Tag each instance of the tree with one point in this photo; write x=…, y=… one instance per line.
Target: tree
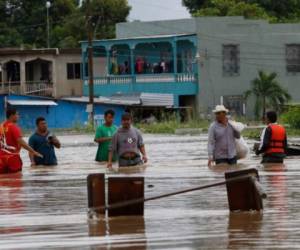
x=282, y=10
x=268, y=93
x=277, y=10
x=194, y=5
x=232, y=8
x=106, y=13
x=24, y=22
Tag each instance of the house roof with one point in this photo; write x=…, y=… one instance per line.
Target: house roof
x=137, y=99
x=42, y=51
x=31, y=103
x=102, y=100
x=145, y=37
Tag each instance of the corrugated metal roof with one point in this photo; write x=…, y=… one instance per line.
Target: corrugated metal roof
x=157, y=100
x=105, y=100
x=31, y=103
x=136, y=99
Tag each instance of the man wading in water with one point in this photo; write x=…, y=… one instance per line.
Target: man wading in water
x=273, y=143
x=128, y=143
x=43, y=142
x=11, y=142
x=104, y=135
x=221, y=139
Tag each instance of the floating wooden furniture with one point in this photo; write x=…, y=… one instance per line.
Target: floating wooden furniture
x=125, y=195
x=123, y=189
x=120, y=191
x=96, y=192
x=244, y=194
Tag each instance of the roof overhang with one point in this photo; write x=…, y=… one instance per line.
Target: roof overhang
x=31, y=103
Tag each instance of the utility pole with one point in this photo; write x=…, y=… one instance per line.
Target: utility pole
x=48, y=5
x=89, y=21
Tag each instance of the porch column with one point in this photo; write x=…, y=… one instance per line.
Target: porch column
x=55, y=86
x=132, y=67
x=174, y=46
x=107, y=61
x=22, y=77
x=83, y=65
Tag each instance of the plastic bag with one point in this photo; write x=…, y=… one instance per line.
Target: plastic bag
x=237, y=126
x=242, y=149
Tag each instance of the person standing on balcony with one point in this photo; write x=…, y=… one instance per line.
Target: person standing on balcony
x=104, y=135
x=221, y=139
x=128, y=144
x=44, y=142
x=11, y=142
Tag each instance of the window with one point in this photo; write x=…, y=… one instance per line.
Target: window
x=235, y=103
x=231, y=60
x=73, y=71
x=293, y=58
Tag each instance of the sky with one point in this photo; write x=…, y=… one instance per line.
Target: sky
x=150, y=10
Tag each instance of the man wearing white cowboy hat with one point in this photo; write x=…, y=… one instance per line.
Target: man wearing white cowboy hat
x=221, y=139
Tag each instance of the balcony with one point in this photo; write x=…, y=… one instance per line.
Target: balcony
x=162, y=64
x=178, y=84
x=40, y=88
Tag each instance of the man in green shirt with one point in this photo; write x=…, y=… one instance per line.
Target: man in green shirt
x=104, y=135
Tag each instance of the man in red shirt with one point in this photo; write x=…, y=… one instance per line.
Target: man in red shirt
x=11, y=142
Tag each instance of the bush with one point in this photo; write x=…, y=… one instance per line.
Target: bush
x=169, y=125
x=292, y=117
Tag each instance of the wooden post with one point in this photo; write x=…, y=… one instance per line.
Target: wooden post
x=244, y=194
x=96, y=191
x=121, y=189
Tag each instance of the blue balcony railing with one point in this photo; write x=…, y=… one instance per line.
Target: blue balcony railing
x=147, y=78
x=176, y=84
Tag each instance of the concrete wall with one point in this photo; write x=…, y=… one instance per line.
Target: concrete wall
x=137, y=28
x=64, y=86
x=262, y=47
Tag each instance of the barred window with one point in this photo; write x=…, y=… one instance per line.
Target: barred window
x=231, y=60
x=293, y=58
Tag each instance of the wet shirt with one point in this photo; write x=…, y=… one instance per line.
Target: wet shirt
x=221, y=141
x=103, y=148
x=10, y=133
x=127, y=141
x=41, y=144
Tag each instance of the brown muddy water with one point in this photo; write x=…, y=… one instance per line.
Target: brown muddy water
x=46, y=208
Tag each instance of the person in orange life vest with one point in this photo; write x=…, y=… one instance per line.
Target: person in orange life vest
x=273, y=143
x=11, y=142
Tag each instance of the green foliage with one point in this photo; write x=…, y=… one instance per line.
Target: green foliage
x=24, y=22
x=193, y=5
x=169, y=126
x=292, y=117
x=268, y=93
x=232, y=8
x=274, y=10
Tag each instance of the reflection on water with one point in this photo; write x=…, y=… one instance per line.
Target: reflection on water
x=47, y=207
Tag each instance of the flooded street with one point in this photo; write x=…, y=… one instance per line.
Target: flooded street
x=47, y=207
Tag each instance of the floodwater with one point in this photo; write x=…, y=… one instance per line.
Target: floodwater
x=46, y=208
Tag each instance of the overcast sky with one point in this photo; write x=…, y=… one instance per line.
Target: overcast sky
x=149, y=10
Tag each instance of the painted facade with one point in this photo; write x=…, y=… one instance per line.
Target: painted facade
x=157, y=64
x=41, y=72
x=229, y=53
x=66, y=114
